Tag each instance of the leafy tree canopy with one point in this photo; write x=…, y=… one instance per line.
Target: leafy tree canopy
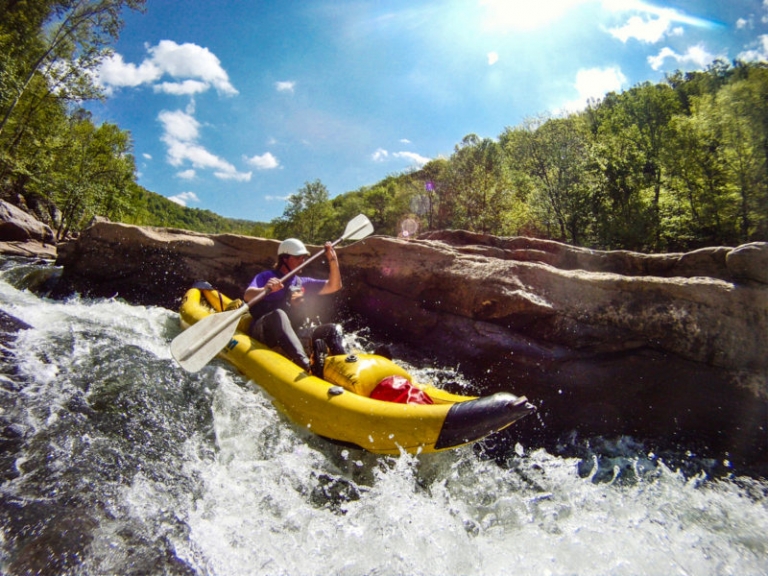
x=670, y=166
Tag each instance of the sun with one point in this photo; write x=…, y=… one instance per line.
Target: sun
x=522, y=15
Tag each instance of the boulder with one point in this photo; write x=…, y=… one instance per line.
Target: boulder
x=155, y=266
x=666, y=346
x=749, y=262
x=16, y=225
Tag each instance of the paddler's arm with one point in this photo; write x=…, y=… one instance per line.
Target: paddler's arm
x=272, y=285
x=333, y=284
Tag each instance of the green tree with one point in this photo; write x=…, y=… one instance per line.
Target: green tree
x=640, y=118
x=704, y=208
x=429, y=205
x=478, y=178
x=740, y=117
x=61, y=41
x=306, y=213
x=691, y=85
x=344, y=207
x=48, y=52
x=554, y=153
x=91, y=173
x=676, y=165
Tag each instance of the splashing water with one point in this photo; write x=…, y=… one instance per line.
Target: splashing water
x=116, y=461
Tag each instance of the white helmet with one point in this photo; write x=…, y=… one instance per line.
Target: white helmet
x=292, y=247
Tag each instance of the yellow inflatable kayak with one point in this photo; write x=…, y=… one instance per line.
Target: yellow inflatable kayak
x=338, y=407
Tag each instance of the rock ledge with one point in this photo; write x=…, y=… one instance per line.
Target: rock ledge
x=669, y=346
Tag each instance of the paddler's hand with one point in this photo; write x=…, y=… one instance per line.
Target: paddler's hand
x=330, y=254
x=273, y=285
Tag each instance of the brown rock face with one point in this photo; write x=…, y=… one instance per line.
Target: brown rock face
x=155, y=266
x=23, y=235
x=659, y=346
x=17, y=225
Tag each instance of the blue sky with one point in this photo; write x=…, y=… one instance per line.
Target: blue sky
x=233, y=105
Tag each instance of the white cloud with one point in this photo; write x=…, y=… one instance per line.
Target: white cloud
x=183, y=198
x=653, y=22
x=192, y=69
x=647, y=21
x=147, y=156
x=229, y=173
x=404, y=141
x=114, y=72
x=186, y=174
x=493, y=57
x=180, y=151
x=380, y=155
x=413, y=157
x=179, y=125
x=187, y=87
x=508, y=15
x=285, y=86
x=191, y=61
x=657, y=61
x=695, y=55
x=594, y=83
x=181, y=131
x=196, y=68
x=264, y=162
x=758, y=54
x=645, y=30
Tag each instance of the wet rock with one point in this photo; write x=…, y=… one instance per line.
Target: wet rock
x=155, y=266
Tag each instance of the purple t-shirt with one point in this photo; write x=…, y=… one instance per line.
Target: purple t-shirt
x=309, y=286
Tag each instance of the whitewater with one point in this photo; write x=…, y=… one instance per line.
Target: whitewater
x=116, y=461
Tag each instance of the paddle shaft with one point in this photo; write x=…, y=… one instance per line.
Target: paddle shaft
x=243, y=310
x=296, y=270
x=292, y=273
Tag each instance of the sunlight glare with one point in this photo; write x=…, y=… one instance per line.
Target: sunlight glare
x=661, y=12
x=505, y=15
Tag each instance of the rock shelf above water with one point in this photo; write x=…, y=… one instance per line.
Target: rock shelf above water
x=667, y=346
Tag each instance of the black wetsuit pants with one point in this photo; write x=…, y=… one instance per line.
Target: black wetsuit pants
x=275, y=330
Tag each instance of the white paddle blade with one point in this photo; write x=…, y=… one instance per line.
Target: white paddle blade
x=201, y=342
x=357, y=228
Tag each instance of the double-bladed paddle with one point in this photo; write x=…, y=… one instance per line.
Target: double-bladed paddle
x=201, y=342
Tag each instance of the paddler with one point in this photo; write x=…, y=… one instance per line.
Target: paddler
x=281, y=317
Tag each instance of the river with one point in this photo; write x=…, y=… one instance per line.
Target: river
x=116, y=461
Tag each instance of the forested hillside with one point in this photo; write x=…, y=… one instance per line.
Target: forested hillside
x=150, y=209
x=670, y=166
